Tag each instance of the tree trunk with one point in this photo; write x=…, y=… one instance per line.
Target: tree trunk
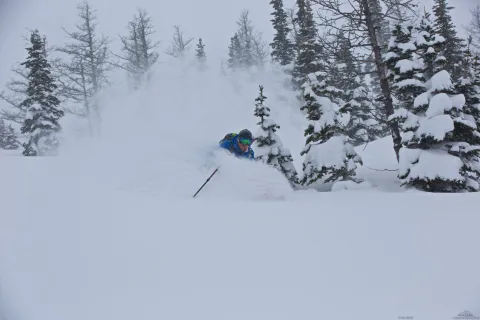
x=381, y=71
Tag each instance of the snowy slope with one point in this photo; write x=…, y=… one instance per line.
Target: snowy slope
x=88, y=250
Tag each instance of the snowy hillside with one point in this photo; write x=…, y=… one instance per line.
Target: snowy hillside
x=126, y=240
x=109, y=229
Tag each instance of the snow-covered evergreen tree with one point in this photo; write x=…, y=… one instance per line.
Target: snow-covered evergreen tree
x=309, y=51
x=405, y=70
x=354, y=101
x=429, y=45
x=362, y=21
x=269, y=147
x=441, y=142
x=283, y=49
x=43, y=107
x=329, y=156
x=453, y=46
x=8, y=137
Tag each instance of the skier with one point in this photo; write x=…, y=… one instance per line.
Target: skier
x=239, y=144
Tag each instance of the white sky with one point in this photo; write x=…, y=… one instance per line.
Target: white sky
x=213, y=20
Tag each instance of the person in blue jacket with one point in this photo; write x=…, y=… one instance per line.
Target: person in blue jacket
x=239, y=144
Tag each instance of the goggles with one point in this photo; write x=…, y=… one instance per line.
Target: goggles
x=245, y=141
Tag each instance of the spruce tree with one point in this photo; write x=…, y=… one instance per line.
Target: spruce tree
x=200, y=54
x=234, y=53
x=429, y=46
x=309, y=51
x=200, y=51
x=283, y=49
x=43, y=107
x=329, y=156
x=405, y=70
x=453, y=46
x=270, y=148
x=360, y=126
x=441, y=143
x=8, y=138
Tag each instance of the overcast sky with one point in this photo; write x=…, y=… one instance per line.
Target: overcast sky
x=213, y=20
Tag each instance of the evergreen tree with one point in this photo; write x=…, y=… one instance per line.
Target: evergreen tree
x=309, y=51
x=234, y=53
x=441, y=141
x=360, y=127
x=405, y=70
x=269, y=146
x=329, y=156
x=200, y=54
x=283, y=49
x=360, y=19
x=453, y=46
x=429, y=45
x=8, y=138
x=374, y=94
x=43, y=108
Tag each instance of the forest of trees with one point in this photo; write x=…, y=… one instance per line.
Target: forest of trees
x=363, y=70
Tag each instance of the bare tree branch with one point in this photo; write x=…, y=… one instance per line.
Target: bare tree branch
x=178, y=45
x=86, y=65
x=473, y=28
x=138, y=48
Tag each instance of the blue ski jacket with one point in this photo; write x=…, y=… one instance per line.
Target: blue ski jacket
x=232, y=146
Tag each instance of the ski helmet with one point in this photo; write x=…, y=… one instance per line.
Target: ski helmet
x=245, y=134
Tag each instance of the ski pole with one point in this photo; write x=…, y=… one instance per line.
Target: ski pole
x=205, y=182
